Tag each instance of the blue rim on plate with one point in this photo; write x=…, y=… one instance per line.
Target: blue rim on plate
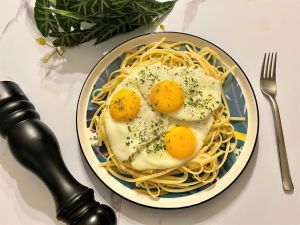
x=241, y=100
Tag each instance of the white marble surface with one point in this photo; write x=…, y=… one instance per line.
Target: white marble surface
x=243, y=28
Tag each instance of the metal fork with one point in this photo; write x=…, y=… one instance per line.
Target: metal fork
x=269, y=88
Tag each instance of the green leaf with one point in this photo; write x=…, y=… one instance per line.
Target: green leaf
x=70, y=39
x=107, y=17
x=94, y=33
x=66, y=23
x=117, y=26
x=161, y=8
x=90, y=7
x=77, y=17
x=127, y=7
x=144, y=12
x=119, y=3
x=44, y=19
x=100, y=32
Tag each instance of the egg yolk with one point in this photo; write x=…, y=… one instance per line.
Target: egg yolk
x=180, y=142
x=124, y=105
x=166, y=96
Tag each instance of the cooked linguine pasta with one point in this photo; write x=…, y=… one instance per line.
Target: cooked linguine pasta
x=201, y=169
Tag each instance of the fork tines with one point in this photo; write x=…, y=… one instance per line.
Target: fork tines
x=268, y=69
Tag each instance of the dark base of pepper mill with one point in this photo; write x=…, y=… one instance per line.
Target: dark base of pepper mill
x=35, y=146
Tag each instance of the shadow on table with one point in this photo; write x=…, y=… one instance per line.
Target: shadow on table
x=32, y=190
x=149, y=216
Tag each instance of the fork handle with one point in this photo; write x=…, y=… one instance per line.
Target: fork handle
x=284, y=164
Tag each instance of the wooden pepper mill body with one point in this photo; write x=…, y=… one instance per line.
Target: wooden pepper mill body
x=35, y=146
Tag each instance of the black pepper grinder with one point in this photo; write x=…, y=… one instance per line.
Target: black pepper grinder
x=35, y=146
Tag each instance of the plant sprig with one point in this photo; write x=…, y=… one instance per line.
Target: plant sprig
x=72, y=22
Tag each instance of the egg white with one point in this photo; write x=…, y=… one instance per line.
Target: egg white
x=126, y=138
x=155, y=156
x=202, y=93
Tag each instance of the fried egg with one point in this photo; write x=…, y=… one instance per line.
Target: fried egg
x=178, y=145
x=130, y=123
x=182, y=93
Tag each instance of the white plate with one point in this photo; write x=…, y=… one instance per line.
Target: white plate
x=241, y=99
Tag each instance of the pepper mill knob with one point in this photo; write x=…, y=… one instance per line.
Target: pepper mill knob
x=35, y=146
